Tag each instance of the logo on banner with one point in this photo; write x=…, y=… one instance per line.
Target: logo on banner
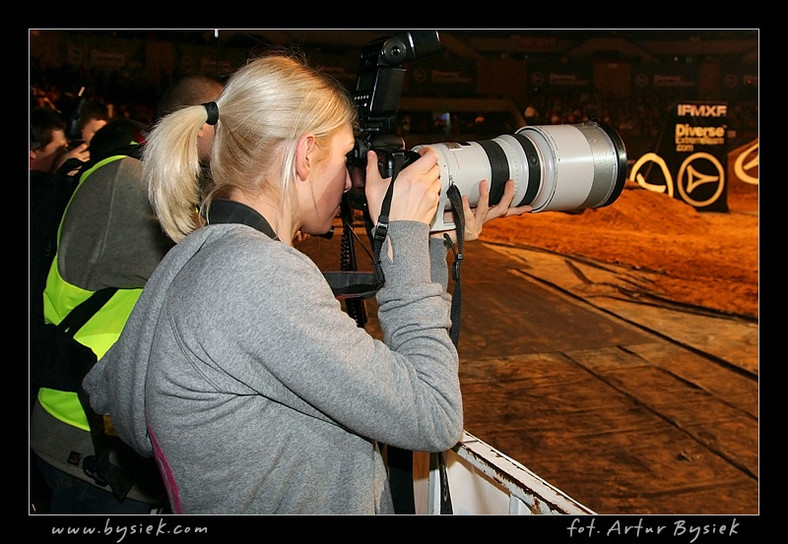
x=703, y=175
x=702, y=110
x=691, y=160
x=700, y=179
x=745, y=167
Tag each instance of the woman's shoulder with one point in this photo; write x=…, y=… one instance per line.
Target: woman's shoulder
x=246, y=249
x=235, y=265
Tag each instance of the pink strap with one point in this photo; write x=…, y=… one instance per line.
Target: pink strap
x=166, y=475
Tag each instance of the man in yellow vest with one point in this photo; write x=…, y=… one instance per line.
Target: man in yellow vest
x=108, y=237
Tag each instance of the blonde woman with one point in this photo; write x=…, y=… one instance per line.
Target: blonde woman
x=238, y=368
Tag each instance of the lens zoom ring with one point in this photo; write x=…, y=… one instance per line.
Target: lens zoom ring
x=499, y=169
x=534, y=169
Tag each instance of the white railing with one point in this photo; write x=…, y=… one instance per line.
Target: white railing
x=482, y=480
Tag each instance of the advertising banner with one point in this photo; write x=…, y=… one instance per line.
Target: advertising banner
x=550, y=78
x=743, y=166
x=675, y=80
x=691, y=160
x=436, y=75
x=739, y=81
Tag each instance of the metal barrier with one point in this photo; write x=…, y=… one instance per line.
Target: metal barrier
x=482, y=480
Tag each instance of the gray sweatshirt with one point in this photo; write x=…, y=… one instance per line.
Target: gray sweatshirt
x=264, y=396
x=109, y=236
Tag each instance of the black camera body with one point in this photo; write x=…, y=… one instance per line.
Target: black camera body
x=377, y=95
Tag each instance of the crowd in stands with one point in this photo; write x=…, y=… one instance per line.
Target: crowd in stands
x=639, y=119
x=124, y=97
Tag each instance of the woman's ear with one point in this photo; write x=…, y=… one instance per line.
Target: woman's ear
x=305, y=155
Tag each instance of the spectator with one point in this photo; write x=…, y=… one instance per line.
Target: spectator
x=94, y=115
x=49, y=147
x=531, y=115
x=109, y=238
x=114, y=136
x=49, y=191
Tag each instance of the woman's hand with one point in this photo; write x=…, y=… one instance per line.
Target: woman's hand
x=416, y=189
x=475, y=218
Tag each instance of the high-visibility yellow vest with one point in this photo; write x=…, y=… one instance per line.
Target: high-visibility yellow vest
x=99, y=333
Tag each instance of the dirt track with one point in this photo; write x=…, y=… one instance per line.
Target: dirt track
x=708, y=259
x=622, y=423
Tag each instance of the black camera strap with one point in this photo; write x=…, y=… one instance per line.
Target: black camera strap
x=382, y=225
x=232, y=211
x=453, y=193
x=381, y=229
x=400, y=462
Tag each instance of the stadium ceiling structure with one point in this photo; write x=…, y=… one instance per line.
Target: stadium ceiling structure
x=643, y=45
x=646, y=45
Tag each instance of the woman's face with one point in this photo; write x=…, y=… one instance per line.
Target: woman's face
x=329, y=181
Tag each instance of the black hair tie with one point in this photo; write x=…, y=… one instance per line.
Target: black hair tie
x=213, y=112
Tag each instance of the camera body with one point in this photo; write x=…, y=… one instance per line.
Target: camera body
x=377, y=95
